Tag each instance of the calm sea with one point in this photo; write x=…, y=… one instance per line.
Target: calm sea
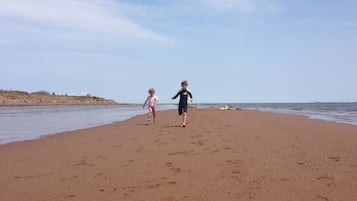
x=336, y=112
x=25, y=123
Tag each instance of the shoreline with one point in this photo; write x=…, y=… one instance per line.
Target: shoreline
x=73, y=104
x=60, y=104
x=344, y=112
x=135, y=116
x=221, y=155
x=307, y=117
x=107, y=124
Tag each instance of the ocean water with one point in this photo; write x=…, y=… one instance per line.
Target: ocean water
x=26, y=123
x=336, y=112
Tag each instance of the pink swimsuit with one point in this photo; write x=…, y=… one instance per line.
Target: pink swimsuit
x=151, y=101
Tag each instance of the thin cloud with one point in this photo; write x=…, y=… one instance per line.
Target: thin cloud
x=92, y=16
x=243, y=5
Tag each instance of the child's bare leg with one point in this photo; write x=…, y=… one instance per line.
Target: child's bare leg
x=184, y=117
x=149, y=114
x=154, y=115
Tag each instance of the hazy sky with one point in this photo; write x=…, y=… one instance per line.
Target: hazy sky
x=229, y=50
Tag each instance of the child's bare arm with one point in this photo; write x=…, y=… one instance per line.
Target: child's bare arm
x=146, y=101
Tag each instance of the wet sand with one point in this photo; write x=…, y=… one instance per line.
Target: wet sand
x=221, y=155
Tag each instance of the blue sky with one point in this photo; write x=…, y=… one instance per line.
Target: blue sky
x=229, y=50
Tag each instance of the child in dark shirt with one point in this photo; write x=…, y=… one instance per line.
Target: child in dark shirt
x=184, y=93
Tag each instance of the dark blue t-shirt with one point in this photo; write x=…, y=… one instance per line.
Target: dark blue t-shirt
x=183, y=93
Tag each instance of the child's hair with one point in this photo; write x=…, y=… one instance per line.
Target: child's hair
x=151, y=91
x=184, y=83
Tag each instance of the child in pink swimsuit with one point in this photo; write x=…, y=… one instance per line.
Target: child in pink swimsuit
x=151, y=101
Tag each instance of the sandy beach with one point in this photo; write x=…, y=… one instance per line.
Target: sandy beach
x=220, y=156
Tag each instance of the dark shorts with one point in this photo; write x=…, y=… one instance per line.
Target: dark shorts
x=182, y=108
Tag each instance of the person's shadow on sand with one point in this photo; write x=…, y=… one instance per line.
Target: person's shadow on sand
x=171, y=126
x=143, y=124
x=166, y=126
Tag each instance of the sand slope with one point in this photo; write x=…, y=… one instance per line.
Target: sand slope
x=221, y=155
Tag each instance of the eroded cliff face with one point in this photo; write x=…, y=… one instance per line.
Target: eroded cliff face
x=21, y=98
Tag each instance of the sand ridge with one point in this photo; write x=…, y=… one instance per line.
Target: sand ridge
x=221, y=155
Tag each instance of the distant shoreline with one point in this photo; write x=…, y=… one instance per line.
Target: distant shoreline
x=44, y=105
x=43, y=98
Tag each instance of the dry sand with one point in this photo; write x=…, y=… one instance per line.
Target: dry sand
x=221, y=155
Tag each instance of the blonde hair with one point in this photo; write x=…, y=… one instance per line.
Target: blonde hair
x=151, y=91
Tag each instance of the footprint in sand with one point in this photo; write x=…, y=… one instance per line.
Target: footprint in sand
x=226, y=148
x=140, y=149
x=198, y=143
x=102, y=157
x=32, y=176
x=284, y=179
x=190, y=152
x=67, y=179
x=83, y=163
x=322, y=197
x=233, y=162
x=214, y=151
x=131, y=189
x=173, y=168
x=300, y=163
x=171, y=183
x=152, y=184
x=162, y=143
x=335, y=158
x=329, y=181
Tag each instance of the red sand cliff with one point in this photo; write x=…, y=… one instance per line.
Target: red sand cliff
x=21, y=98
